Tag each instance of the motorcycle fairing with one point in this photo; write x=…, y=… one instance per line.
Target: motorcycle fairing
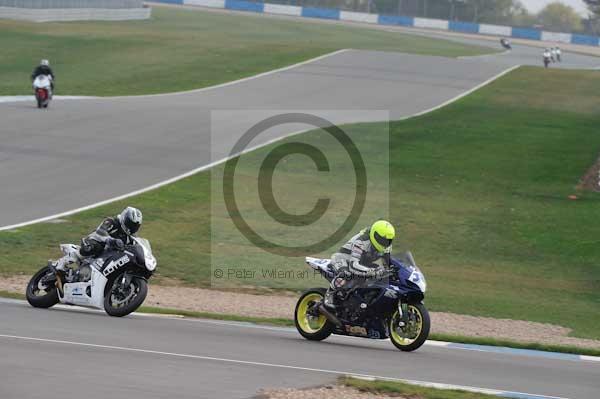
x=89, y=293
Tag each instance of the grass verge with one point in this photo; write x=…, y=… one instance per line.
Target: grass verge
x=409, y=390
x=479, y=190
x=181, y=49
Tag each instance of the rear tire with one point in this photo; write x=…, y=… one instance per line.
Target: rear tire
x=313, y=328
x=40, y=301
x=140, y=287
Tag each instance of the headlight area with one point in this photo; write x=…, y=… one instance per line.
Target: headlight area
x=416, y=277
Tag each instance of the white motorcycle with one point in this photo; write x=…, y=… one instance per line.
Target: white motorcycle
x=42, y=88
x=116, y=282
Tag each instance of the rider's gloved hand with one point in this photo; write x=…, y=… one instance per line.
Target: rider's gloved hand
x=376, y=272
x=116, y=243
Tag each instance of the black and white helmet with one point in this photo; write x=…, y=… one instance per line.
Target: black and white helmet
x=130, y=220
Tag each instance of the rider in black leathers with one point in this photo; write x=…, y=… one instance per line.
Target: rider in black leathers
x=113, y=232
x=43, y=69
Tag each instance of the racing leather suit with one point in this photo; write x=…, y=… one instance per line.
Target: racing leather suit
x=356, y=262
x=109, y=233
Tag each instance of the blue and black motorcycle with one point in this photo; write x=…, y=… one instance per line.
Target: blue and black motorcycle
x=388, y=307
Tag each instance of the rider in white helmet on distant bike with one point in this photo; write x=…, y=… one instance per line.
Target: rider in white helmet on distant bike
x=44, y=69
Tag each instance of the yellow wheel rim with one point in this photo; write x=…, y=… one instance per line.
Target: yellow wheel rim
x=308, y=323
x=408, y=334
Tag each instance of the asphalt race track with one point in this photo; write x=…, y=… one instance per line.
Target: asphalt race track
x=158, y=357
x=79, y=152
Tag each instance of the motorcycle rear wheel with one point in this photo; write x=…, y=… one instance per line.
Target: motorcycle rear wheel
x=310, y=326
x=47, y=300
x=413, y=335
x=138, y=289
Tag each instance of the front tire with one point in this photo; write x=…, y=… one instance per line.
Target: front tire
x=119, y=301
x=309, y=323
x=415, y=333
x=35, y=287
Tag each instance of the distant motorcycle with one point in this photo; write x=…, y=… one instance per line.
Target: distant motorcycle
x=42, y=88
x=383, y=308
x=116, y=282
x=546, y=62
x=505, y=43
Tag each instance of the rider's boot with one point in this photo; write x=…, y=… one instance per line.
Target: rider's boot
x=63, y=263
x=336, y=289
x=57, y=265
x=329, y=300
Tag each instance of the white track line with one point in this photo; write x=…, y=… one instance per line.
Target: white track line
x=215, y=163
x=273, y=365
x=291, y=330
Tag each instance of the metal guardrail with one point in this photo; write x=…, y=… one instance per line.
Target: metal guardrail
x=48, y=4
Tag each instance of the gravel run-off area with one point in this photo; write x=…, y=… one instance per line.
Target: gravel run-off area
x=282, y=306
x=326, y=392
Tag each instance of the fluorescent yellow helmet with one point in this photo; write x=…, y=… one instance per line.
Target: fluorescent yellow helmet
x=381, y=234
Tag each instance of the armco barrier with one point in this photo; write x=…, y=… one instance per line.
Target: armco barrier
x=283, y=10
x=556, y=37
x=329, y=13
x=358, y=17
x=78, y=4
x=585, y=40
x=74, y=14
x=495, y=30
x=244, y=5
x=468, y=27
x=395, y=20
x=206, y=3
x=525, y=33
x=431, y=23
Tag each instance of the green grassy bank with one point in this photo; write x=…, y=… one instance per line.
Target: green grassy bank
x=181, y=49
x=478, y=191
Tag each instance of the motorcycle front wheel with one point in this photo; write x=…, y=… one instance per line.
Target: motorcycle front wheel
x=414, y=334
x=120, y=299
x=311, y=324
x=41, y=290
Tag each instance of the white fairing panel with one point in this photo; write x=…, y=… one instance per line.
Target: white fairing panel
x=149, y=258
x=76, y=293
x=42, y=82
x=318, y=264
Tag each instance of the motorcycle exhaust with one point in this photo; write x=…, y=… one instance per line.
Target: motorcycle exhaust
x=330, y=316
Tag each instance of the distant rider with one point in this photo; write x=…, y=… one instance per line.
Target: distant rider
x=365, y=256
x=546, y=56
x=44, y=69
x=113, y=232
x=558, y=54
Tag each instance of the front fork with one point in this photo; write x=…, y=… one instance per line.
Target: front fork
x=403, y=313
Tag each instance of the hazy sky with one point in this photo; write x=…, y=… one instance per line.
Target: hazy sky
x=534, y=6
